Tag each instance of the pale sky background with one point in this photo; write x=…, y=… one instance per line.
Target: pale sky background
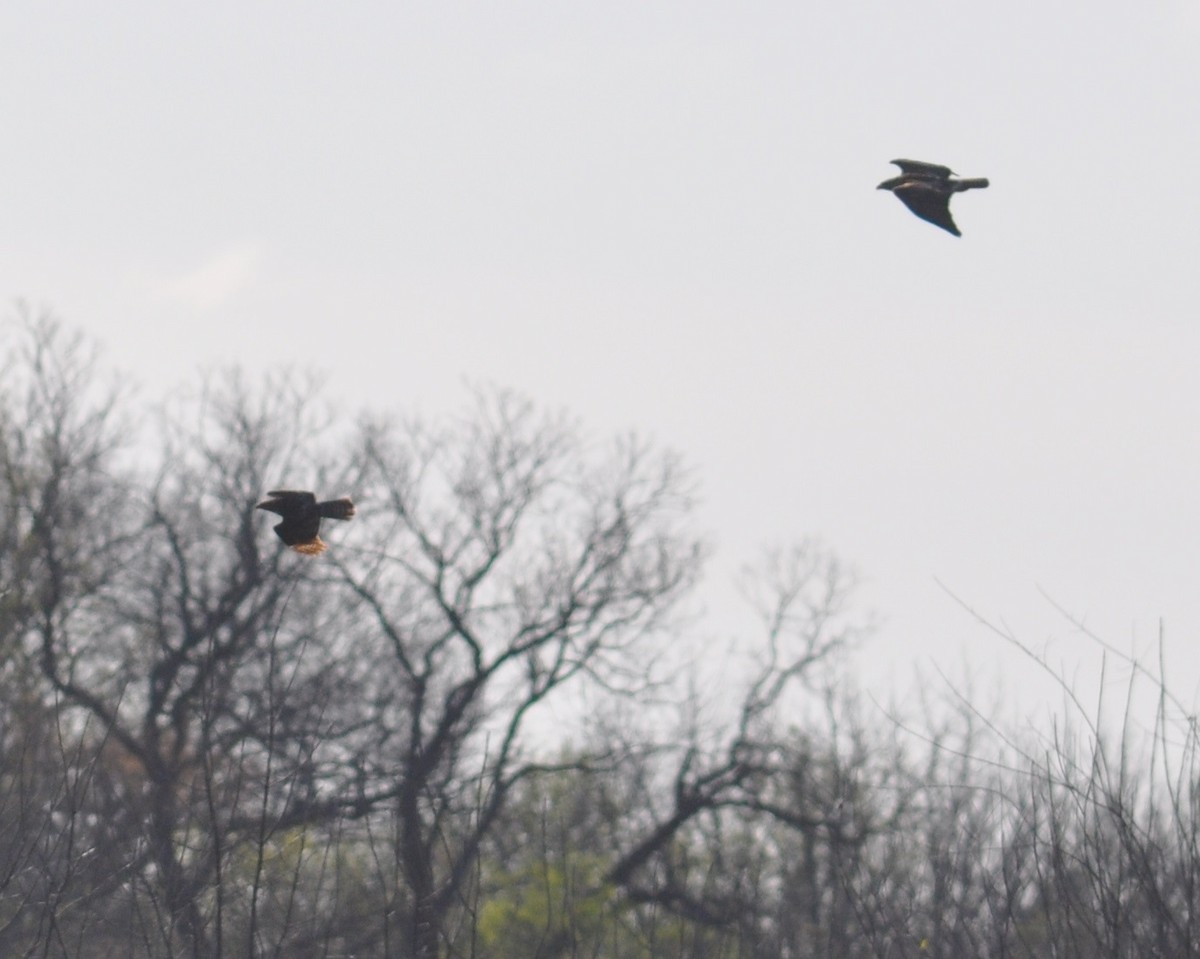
x=663, y=217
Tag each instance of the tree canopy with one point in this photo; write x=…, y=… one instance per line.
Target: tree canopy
x=467, y=729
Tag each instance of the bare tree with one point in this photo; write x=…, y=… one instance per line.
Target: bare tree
x=159, y=633
x=62, y=535
x=802, y=597
x=212, y=697
x=503, y=564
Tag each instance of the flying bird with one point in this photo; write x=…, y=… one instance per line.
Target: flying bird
x=302, y=516
x=926, y=188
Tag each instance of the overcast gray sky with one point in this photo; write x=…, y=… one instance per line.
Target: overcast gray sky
x=663, y=217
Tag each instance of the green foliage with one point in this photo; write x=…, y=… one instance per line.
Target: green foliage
x=548, y=909
x=302, y=889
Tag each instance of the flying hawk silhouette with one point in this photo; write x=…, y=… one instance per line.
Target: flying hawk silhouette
x=926, y=188
x=302, y=516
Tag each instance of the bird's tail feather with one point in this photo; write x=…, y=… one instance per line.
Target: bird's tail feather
x=336, y=508
x=975, y=184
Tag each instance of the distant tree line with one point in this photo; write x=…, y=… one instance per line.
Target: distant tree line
x=473, y=727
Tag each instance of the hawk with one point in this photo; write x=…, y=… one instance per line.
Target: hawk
x=926, y=188
x=302, y=516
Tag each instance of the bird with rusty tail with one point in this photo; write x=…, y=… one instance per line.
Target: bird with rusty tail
x=302, y=516
x=926, y=188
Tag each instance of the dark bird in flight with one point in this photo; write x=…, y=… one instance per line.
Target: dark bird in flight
x=302, y=516
x=926, y=188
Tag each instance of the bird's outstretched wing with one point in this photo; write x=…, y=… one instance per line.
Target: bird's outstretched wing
x=300, y=529
x=285, y=501
x=293, y=498
x=922, y=169
x=928, y=203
